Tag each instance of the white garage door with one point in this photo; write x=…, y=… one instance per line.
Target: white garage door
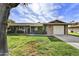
x=58, y=29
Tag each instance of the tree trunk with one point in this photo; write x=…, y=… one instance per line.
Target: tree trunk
x=4, y=13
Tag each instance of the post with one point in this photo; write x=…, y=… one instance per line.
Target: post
x=24, y=28
x=66, y=29
x=30, y=29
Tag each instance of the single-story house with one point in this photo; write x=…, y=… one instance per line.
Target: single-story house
x=53, y=27
x=73, y=28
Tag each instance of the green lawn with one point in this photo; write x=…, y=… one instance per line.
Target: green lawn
x=74, y=34
x=25, y=45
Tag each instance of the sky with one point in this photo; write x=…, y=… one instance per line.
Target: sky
x=45, y=12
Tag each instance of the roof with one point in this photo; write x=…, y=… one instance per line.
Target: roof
x=74, y=26
x=57, y=21
x=25, y=24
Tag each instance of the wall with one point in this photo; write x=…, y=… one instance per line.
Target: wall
x=49, y=29
x=65, y=29
x=73, y=29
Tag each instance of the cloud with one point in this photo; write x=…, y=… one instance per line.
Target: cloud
x=35, y=12
x=60, y=17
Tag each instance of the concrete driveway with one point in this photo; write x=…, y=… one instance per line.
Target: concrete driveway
x=72, y=40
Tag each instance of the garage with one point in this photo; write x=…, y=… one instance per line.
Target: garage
x=58, y=29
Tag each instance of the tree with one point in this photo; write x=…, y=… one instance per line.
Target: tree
x=10, y=21
x=4, y=13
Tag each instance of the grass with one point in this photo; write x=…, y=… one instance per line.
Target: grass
x=74, y=34
x=25, y=45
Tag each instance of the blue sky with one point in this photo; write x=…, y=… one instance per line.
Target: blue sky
x=45, y=12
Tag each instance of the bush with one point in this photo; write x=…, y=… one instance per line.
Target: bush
x=72, y=31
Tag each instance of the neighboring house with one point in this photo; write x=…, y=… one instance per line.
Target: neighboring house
x=53, y=27
x=73, y=28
